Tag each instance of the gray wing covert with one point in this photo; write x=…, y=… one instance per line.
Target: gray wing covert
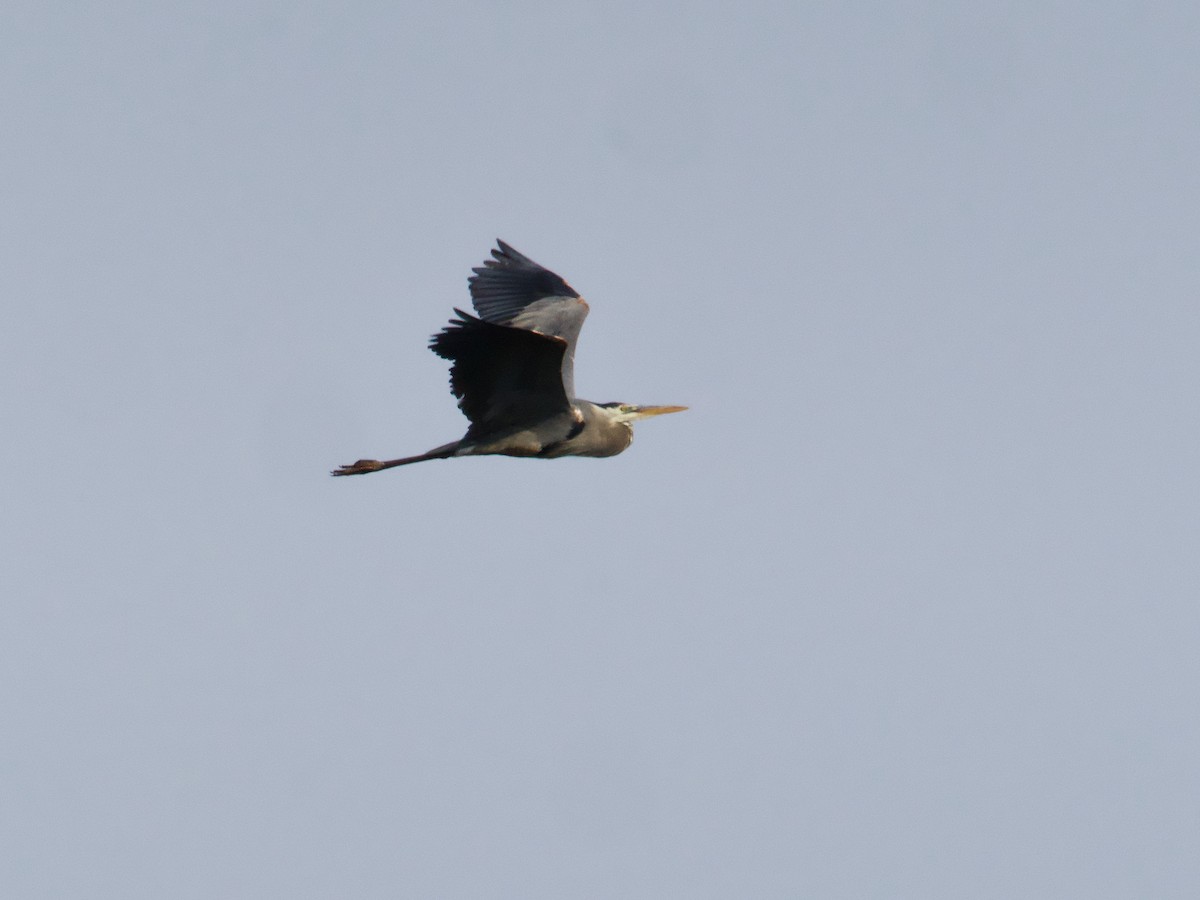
x=511, y=289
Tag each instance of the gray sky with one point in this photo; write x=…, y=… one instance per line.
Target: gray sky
x=905, y=606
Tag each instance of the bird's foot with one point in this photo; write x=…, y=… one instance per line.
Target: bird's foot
x=359, y=468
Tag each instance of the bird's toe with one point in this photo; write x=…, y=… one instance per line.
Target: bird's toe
x=359, y=468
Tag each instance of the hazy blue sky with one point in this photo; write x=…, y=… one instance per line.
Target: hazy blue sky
x=905, y=606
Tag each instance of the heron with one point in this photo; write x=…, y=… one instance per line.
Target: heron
x=512, y=370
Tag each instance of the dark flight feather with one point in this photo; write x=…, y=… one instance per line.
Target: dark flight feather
x=504, y=377
x=509, y=282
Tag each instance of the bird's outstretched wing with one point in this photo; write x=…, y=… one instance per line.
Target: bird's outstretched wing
x=511, y=289
x=504, y=377
x=509, y=282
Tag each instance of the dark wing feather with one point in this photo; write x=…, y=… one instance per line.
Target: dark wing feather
x=509, y=282
x=511, y=289
x=503, y=377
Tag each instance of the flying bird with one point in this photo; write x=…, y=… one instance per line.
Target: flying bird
x=512, y=370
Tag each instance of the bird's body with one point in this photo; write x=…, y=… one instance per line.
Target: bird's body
x=512, y=369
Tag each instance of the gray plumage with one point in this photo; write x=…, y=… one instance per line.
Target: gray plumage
x=512, y=369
